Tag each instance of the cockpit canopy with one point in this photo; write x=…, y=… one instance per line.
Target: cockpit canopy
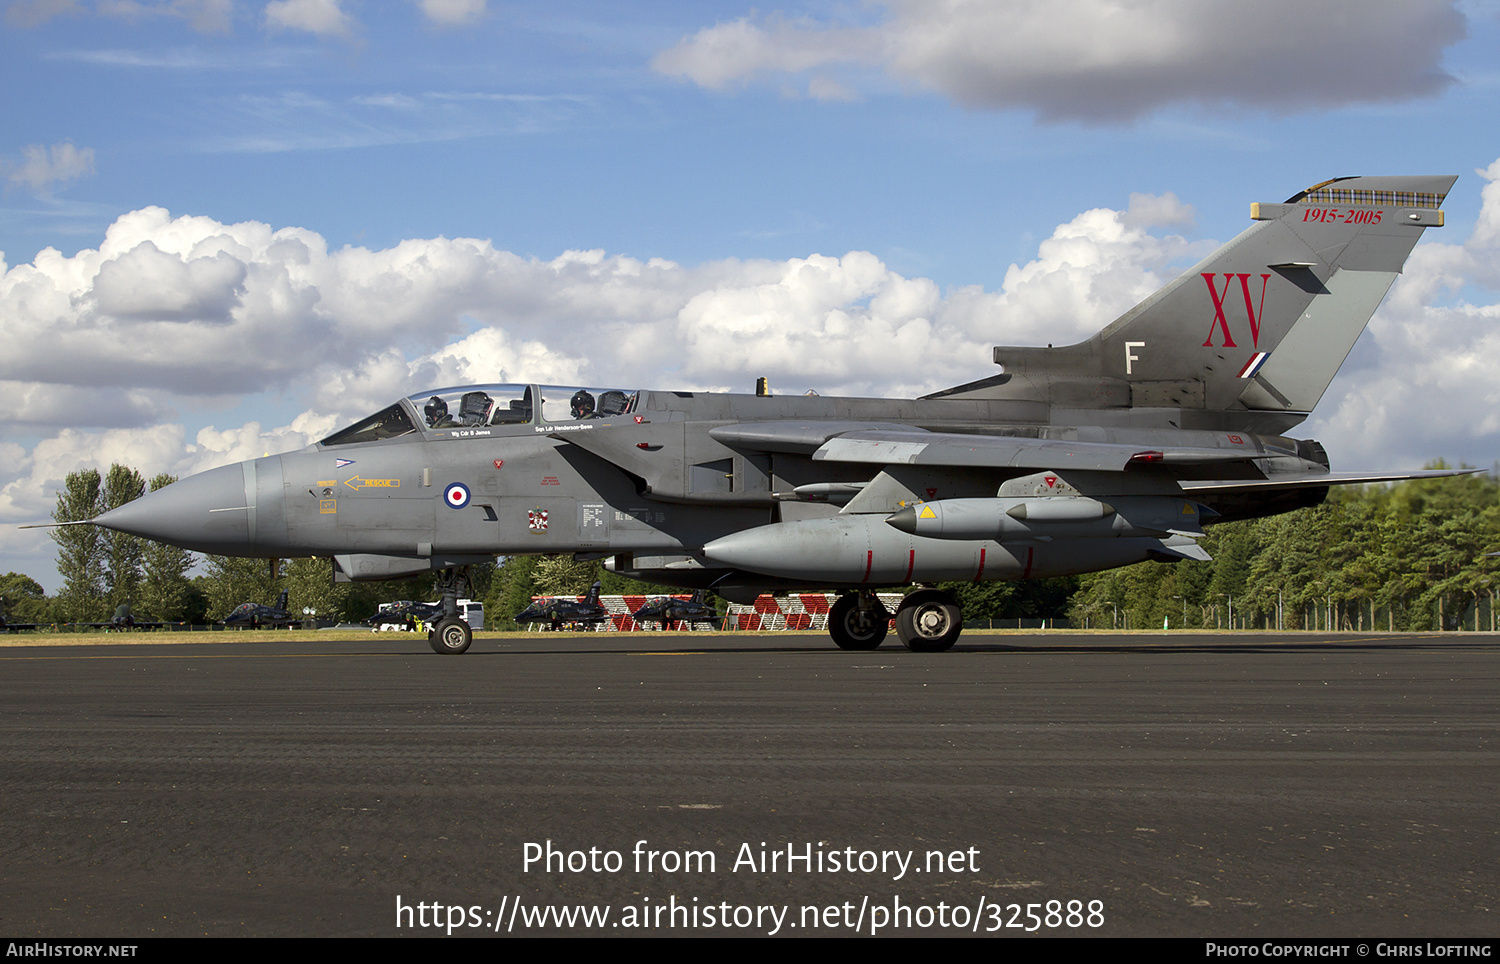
x=473, y=406
x=457, y=412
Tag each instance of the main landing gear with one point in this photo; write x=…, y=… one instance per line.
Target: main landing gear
x=451, y=635
x=928, y=621
x=858, y=621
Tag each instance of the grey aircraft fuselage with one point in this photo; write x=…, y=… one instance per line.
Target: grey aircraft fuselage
x=1076, y=459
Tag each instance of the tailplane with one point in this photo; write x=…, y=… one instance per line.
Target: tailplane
x=1259, y=326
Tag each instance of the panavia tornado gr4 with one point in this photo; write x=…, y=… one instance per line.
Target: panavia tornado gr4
x=1069, y=460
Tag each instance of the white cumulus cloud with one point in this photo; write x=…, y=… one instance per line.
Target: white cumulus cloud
x=452, y=13
x=42, y=168
x=204, y=16
x=1430, y=390
x=323, y=17
x=170, y=314
x=30, y=13
x=1104, y=60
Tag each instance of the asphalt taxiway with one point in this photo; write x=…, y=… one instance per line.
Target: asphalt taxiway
x=1213, y=785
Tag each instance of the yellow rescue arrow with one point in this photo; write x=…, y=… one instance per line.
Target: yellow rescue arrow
x=359, y=483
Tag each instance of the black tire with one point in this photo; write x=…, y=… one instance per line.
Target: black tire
x=929, y=621
x=451, y=637
x=844, y=625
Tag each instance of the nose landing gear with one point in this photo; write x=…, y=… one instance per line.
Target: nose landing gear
x=452, y=634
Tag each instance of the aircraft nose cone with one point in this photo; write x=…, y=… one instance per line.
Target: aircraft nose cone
x=904, y=519
x=207, y=512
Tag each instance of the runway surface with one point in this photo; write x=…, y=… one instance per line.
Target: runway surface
x=1217, y=785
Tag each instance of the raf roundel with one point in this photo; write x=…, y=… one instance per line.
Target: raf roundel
x=456, y=495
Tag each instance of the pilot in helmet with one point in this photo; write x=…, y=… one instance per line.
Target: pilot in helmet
x=436, y=410
x=583, y=404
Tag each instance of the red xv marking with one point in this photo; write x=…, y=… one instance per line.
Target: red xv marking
x=1051, y=480
x=498, y=463
x=1208, y=279
x=1253, y=312
x=931, y=493
x=1250, y=310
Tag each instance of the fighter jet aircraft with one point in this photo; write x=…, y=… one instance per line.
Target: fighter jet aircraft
x=124, y=620
x=667, y=610
x=7, y=626
x=560, y=611
x=258, y=616
x=406, y=614
x=1069, y=460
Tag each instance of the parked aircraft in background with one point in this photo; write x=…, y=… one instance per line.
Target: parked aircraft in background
x=8, y=626
x=561, y=611
x=406, y=614
x=260, y=616
x=124, y=620
x=1073, y=459
x=667, y=610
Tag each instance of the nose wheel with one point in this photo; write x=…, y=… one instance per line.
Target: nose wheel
x=450, y=636
x=929, y=621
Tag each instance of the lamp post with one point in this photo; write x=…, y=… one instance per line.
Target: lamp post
x=1230, y=597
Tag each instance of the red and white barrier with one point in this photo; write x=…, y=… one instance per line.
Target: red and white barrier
x=798, y=612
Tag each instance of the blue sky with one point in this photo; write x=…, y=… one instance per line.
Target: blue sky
x=267, y=218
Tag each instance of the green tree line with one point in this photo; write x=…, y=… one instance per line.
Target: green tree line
x=102, y=569
x=1411, y=556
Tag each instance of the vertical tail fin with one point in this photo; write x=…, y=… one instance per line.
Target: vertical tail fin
x=1259, y=326
x=281, y=601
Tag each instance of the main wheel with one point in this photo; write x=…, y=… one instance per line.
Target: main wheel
x=853, y=629
x=451, y=637
x=929, y=621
